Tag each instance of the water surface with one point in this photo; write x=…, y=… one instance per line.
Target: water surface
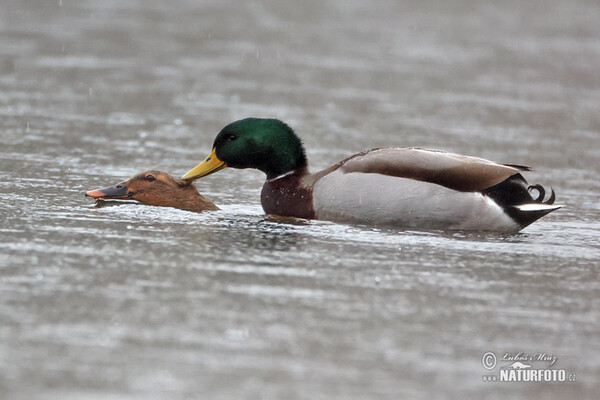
x=129, y=301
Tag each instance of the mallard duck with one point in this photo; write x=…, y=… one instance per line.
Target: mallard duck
x=156, y=188
x=407, y=187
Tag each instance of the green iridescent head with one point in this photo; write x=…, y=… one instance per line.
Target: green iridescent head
x=268, y=145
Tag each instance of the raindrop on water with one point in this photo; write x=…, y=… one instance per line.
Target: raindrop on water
x=237, y=335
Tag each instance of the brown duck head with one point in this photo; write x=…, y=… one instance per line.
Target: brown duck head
x=156, y=188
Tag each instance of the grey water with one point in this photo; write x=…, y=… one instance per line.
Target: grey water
x=125, y=301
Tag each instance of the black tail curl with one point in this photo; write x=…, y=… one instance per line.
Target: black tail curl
x=515, y=191
x=541, y=194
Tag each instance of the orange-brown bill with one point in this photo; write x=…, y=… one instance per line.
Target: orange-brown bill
x=114, y=192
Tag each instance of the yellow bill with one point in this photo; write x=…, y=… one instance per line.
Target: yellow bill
x=208, y=166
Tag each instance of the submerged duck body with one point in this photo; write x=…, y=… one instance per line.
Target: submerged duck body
x=156, y=188
x=405, y=187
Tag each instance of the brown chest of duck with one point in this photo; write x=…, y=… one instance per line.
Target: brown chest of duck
x=407, y=187
x=156, y=188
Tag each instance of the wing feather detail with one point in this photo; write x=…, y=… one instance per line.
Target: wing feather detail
x=454, y=171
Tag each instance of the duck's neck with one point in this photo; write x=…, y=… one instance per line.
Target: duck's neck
x=282, y=164
x=285, y=157
x=198, y=202
x=298, y=173
x=184, y=198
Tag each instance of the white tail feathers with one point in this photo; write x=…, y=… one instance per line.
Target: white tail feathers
x=538, y=207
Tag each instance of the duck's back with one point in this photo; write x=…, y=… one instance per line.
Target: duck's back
x=426, y=189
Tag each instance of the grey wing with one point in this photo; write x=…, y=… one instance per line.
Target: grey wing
x=454, y=171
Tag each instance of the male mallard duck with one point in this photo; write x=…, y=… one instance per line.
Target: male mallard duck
x=156, y=188
x=413, y=187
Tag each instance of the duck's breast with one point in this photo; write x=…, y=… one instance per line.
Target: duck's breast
x=288, y=196
x=388, y=200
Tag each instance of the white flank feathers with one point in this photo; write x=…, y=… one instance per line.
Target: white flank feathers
x=389, y=200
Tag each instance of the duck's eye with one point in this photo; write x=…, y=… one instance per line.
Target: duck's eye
x=150, y=178
x=231, y=137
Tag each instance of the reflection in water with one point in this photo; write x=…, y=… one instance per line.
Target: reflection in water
x=126, y=300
